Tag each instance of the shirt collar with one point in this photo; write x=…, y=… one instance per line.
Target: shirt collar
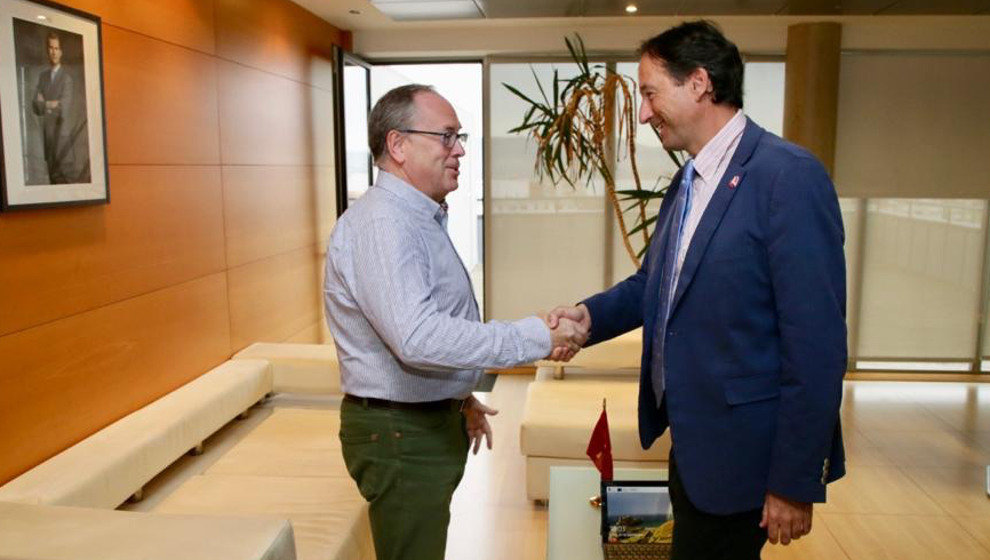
x=412, y=197
x=712, y=154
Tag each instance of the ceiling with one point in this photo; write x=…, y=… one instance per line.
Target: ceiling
x=372, y=14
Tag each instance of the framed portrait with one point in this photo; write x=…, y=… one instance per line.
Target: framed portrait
x=52, y=129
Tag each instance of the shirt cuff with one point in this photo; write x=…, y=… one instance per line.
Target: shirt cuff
x=535, y=342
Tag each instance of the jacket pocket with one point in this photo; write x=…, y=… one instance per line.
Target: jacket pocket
x=742, y=390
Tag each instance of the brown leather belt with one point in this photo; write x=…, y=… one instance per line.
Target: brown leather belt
x=428, y=406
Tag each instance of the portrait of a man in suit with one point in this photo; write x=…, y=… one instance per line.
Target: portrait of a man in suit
x=53, y=102
x=51, y=85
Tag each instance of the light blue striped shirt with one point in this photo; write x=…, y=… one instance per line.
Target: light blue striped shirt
x=400, y=306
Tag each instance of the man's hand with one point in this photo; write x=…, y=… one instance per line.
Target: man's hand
x=785, y=520
x=567, y=337
x=477, y=424
x=578, y=314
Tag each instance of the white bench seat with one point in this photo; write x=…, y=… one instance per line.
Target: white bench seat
x=105, y=469
x=298, y=368
x=32, y=532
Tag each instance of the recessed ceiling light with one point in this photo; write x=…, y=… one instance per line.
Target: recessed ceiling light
x=631, y=9
x=354, y=12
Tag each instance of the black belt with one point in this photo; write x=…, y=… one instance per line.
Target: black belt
x=428, y=406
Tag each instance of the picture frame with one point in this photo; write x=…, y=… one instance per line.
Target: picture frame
x=52, y=111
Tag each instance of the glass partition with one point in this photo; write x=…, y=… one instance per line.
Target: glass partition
x=548, y=241
x=922, y=281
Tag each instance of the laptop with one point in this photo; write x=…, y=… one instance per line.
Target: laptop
x=637, y=520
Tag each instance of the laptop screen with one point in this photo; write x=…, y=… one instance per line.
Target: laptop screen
x=636, y=512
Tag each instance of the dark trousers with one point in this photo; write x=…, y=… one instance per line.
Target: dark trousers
x=407, y=464
x=705, y=536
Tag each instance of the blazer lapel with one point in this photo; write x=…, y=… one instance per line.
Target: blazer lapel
x=732, y=181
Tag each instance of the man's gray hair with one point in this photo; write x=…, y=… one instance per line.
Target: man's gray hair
x=394, y=111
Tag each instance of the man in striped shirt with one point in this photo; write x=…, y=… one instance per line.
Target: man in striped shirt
x=408, y=332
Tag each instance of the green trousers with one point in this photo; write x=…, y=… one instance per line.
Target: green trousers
x=407, y=465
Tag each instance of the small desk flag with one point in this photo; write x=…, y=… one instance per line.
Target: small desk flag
x=600, y=446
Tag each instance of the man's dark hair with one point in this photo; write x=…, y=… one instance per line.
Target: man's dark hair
x=699, y=44
x=52, y=36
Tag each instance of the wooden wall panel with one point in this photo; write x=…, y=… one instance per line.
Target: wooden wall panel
x=66, y=379
x=268, y=210
x=274, y=298
x=105, y=308
x=161, y=102
x=270, y=120
x=188, y=23
x=164, y=227
x=278, y=37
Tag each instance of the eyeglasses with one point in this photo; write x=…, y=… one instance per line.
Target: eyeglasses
x=449, y=138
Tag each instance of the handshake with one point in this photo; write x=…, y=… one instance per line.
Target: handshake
x=569, y=330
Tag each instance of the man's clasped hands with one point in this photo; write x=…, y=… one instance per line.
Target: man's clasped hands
x=569, y=331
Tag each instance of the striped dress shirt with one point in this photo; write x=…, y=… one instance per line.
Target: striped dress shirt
x=400, y=305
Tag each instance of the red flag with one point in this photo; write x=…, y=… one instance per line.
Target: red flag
x=600, y=446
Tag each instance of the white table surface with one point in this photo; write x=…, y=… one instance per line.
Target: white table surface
x=573, y=525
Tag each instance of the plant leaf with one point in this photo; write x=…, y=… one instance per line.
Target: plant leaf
x=639, y=227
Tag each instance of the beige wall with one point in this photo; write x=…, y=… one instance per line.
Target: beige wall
x=221, y=172
x=914, y=125
x=753, y=34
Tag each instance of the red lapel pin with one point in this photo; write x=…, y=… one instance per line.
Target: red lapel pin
x=734, y=182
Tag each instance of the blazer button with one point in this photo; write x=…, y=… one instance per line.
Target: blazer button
x=398, y=435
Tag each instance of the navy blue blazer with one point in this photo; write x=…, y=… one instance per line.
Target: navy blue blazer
x=756, y=342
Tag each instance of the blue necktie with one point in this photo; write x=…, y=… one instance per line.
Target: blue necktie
x=682, y=205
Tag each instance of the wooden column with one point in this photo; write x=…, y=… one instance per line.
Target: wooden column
x=811, y=94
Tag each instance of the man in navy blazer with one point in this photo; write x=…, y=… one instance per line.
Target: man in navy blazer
x=741, y=298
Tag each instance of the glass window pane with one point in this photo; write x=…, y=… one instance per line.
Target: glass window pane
x=921, y=278
x=655, y=172
x=548, y=242
x=763, y=95
x=356, y=130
